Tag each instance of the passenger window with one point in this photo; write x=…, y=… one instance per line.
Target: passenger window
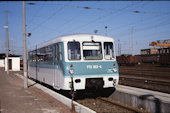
x=60, y=52
x=92, y=51
x=56, y=52
x=49, y=51
x=109, y=50
x=74, y=51
x=30, y=56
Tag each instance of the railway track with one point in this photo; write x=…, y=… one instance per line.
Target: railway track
x=106, y=105
x=147, y=67
x=146, y=73
x=147, y=76
x=146, y=83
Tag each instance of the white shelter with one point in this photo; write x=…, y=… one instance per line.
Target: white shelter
x=2, y=63
x=2, y=60
x=13, y=63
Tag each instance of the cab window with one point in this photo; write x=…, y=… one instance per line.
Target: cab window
x=108, y=50
x=74, y=51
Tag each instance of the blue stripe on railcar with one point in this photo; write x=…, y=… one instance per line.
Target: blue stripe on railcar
x=84, y=69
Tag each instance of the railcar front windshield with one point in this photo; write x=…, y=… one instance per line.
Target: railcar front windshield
x=92, y=51
x=74, y=51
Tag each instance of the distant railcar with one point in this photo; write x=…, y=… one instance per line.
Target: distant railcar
x=164, y=59
x=150, y=58
x=82, y=61
x=128, y=59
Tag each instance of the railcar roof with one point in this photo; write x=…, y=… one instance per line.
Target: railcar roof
x=77, y=37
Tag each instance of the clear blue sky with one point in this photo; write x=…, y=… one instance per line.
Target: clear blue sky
x=48, y=19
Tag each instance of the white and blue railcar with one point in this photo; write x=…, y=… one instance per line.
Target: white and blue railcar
x=89, y=59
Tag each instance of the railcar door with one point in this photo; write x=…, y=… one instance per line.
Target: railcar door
x=57, y=64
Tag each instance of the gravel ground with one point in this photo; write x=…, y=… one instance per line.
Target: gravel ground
x=102, y=107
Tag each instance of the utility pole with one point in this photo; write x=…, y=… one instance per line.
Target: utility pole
x=25, y=49
x=12, y=49
x=132, y=41
x=0, y=47
x=119, y=48
x=7, y=42
x=106, y=30
x=95, y=31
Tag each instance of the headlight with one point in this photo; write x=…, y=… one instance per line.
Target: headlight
x=114, y=82
x=114, y=69
x=71, y=71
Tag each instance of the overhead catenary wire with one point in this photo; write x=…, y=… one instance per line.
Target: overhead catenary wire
x=99, y=18
x=35, y=14
x=144, y=21
x=45, y=20
x=139, y=21
x=64, y=23
x=86, y=8
x=59, y=29
x=49, y=17
x=145, y=28
x=53, y=14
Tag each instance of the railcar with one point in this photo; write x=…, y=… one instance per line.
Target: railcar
x=164, y=59
x=128, y=59
x=82, y=61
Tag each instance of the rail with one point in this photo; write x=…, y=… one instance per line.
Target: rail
x=108, y=105
x=146, y=83
x=113, y=102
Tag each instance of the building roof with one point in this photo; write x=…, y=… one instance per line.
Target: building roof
x=3, y=55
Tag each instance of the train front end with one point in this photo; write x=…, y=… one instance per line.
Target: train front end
x=90, y=64
x=93, y=75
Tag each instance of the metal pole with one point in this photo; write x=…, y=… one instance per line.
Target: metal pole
x=72, y=94
x=36, y=64
x=118, y=48
x=0, y=46
x=132, y=41
x=106, y=30
x=7, y=42
x=24, y=49
x=12, y=49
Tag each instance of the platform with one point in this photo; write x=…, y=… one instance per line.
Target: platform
x=15, y=99
x=35, y=99
x=152, y=101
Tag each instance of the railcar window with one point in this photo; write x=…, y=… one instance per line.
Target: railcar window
x=92, y=51
x=48, y=53
x=108, y=50
x=74, y=51
x=40, y=56
x=57, y=52
x=60, y=51
x=43, y=54
x=30, y=56
x=34, y=56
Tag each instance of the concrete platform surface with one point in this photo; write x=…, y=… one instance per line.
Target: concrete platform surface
x=164, y=97
x=152, y=101
x=15, y=99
